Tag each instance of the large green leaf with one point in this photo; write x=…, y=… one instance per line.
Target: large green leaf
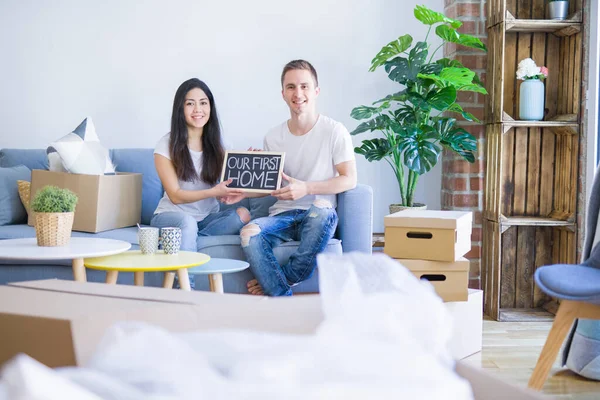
x=405, y=115
x=466, y=115
x=456, y=138
x=374, y=149
x=390, y=50
x=408, y=133
x=404, y=70
x=420, y=155
x=477, y=81
x=430, y=17
x=364, y=112
x=473, y=88
x=451, y=35
x=399, y=96
x=419, y=101
x=432, y=68
x=457, y=77
x=445, y=62
x=379, y=123
x=441, y=99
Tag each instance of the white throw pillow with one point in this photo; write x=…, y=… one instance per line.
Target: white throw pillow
x=80, y=152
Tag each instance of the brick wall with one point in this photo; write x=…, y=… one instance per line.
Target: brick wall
x=462, y=182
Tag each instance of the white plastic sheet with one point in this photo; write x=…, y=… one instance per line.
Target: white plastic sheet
x=385, y=335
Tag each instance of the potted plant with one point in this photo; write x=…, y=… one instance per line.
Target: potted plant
x=531, y=92
x=558, y=9
x=414, y=120
x=54, y=210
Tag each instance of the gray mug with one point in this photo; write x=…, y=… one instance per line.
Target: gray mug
x=171, y=239
x=148, y=239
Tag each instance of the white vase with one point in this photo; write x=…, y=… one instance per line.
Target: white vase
x=531, y=100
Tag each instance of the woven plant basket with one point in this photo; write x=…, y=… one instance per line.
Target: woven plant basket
x=394, y=208
x=24, y=193
x=53, y=229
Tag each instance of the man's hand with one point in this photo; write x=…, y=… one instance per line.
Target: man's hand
x=296, y=189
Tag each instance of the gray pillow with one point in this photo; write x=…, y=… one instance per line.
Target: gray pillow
x=11, y=208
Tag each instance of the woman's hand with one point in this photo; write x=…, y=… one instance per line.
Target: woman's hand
x=222, y=190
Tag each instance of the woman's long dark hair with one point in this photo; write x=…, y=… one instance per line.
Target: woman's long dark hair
x=212, y=146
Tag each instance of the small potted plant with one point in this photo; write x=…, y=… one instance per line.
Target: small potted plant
x=54, y=210
x=531, y=92
x=558, y=9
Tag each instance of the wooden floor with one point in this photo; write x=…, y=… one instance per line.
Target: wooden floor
x=510, y=351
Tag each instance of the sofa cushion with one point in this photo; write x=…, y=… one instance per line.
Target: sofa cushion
x=12, y=210
x=31, y=158
x=141, y=161
x=229, y=246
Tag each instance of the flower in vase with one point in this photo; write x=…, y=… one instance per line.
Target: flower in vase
x=528, y=69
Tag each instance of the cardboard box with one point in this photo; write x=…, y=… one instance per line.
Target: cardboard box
x=428, y=234
x=61, y=322
x=105, y=201
x=450, y=279
x=467, y=331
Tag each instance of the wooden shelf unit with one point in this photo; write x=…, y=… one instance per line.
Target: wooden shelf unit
x=532, y=167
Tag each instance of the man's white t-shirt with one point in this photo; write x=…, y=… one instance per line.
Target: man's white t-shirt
x=310, y=157
x=199, y=209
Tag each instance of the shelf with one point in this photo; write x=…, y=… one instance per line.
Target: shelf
x=525, y=315
x=561, y=124
x=539, y=124
x=562, y=28
x=507, y=222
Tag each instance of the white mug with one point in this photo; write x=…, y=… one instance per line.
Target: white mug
x=148, y=239
x=171, y=239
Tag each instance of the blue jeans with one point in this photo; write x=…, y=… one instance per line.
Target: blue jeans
x=226, y=222
x=313, y=228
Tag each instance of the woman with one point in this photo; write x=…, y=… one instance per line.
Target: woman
x=188, y=161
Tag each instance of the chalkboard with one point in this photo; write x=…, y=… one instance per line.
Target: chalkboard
x=253, y=171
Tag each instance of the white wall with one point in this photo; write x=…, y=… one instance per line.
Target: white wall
x=121, y=62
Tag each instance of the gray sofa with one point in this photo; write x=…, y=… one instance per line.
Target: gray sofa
x=354, y=231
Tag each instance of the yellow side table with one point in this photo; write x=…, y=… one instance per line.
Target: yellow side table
x=138, y=263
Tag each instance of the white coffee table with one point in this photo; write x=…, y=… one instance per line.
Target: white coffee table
x=78, y=249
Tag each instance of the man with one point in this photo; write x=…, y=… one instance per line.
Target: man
x=319, y=163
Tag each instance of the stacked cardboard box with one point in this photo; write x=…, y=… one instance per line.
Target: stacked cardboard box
x=431, y=244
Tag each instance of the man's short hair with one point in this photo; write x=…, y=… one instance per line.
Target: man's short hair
x=300, y=64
